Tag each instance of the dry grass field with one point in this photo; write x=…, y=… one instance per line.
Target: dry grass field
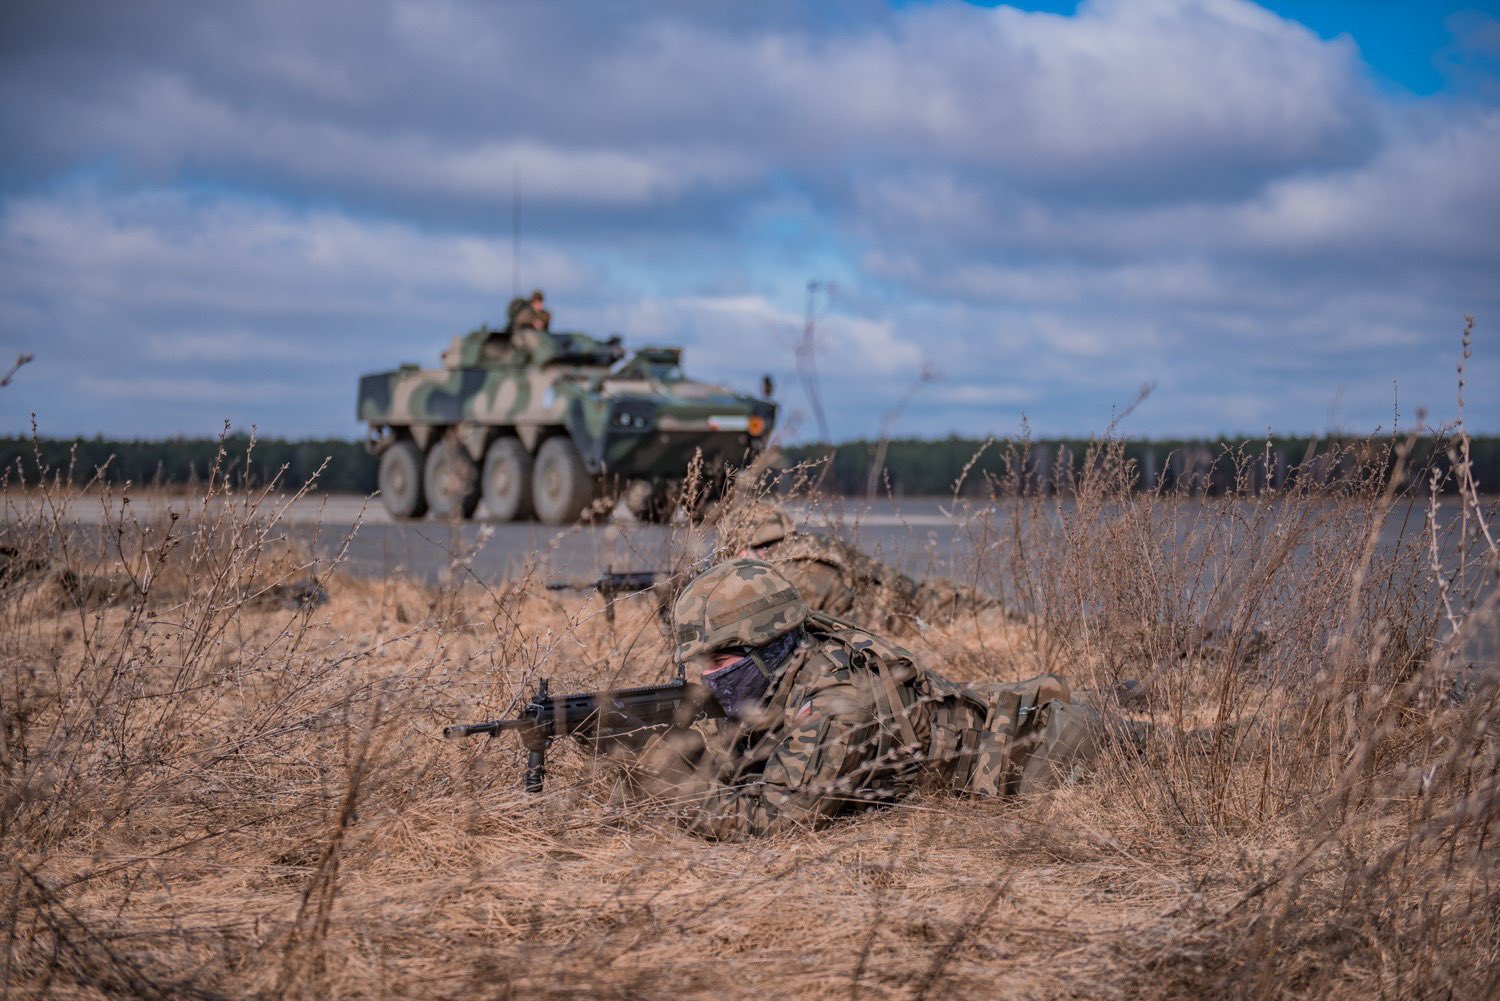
x=208, y=789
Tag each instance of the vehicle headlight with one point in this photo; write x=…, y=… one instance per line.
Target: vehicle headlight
x=633, y=415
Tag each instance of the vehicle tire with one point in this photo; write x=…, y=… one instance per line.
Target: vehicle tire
x=400, y=480
x=560, y=485
x=653, y=503
x=507, y=480
x=452, y=481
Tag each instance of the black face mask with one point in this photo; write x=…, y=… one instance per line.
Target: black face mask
x=740, y=684
x=744, y=683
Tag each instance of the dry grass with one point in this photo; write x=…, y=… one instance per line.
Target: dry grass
x=210, y=794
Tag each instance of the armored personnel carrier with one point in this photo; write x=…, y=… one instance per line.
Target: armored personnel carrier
x=553, y=425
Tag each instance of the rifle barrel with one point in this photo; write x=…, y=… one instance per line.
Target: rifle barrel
x=492, y=728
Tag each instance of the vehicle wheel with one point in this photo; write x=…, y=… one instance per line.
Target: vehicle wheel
x=452, y=481
x=653, y=503
x=401, y=480
x=560, y=485
x=507, y=480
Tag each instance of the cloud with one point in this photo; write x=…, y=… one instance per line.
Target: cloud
x=1152, y=95
x=1430, y=191
x=1049, y=209
x=217, y=307
x=135, y=390
x=168, y=249
x=215, y=347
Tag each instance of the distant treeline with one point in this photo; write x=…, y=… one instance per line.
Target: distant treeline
x=179, y=462
x=913, y=467
x=923, y=467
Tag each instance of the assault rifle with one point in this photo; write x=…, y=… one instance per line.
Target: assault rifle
x=595, y=718
x=610, y=586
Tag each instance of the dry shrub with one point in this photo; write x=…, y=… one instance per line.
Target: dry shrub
x=1312, y=702
x=205, y=793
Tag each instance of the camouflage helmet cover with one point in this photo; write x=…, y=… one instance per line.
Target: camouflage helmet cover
x=739, y=603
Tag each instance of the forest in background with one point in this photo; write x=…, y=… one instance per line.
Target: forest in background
x=913, y=467
x=968, y=466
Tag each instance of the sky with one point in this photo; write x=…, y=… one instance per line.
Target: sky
x=1275, y=215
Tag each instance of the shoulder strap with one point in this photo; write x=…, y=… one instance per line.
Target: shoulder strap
x=858, y=639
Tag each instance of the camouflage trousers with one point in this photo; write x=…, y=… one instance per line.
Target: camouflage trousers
x=1001, y=739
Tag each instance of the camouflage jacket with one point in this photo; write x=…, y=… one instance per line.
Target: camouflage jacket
x=852, y=722
x=845, y=724
x=530, y=318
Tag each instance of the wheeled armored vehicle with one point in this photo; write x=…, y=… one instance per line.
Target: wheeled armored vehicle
x=556, y=426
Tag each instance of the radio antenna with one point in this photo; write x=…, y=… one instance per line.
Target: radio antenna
x=515, y=233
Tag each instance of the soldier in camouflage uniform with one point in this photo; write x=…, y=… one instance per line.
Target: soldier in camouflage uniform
x=532, y=315
x=838, y=579
x=825, y=718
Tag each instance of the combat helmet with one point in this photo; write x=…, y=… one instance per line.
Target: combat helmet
x=740, y=603
x=768, y=523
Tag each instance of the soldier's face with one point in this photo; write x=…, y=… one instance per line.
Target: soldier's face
x=708, y=663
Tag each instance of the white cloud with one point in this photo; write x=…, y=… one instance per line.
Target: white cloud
x=986, y=394
x=169, y=249
x=1431, y=190
x=1143, y=93
x=215, y=347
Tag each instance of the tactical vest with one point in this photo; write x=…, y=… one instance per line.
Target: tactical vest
x=899, y=702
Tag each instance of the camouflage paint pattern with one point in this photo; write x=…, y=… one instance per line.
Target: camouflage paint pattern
x=639, y=420
x=739, y=603
x=852, y=721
